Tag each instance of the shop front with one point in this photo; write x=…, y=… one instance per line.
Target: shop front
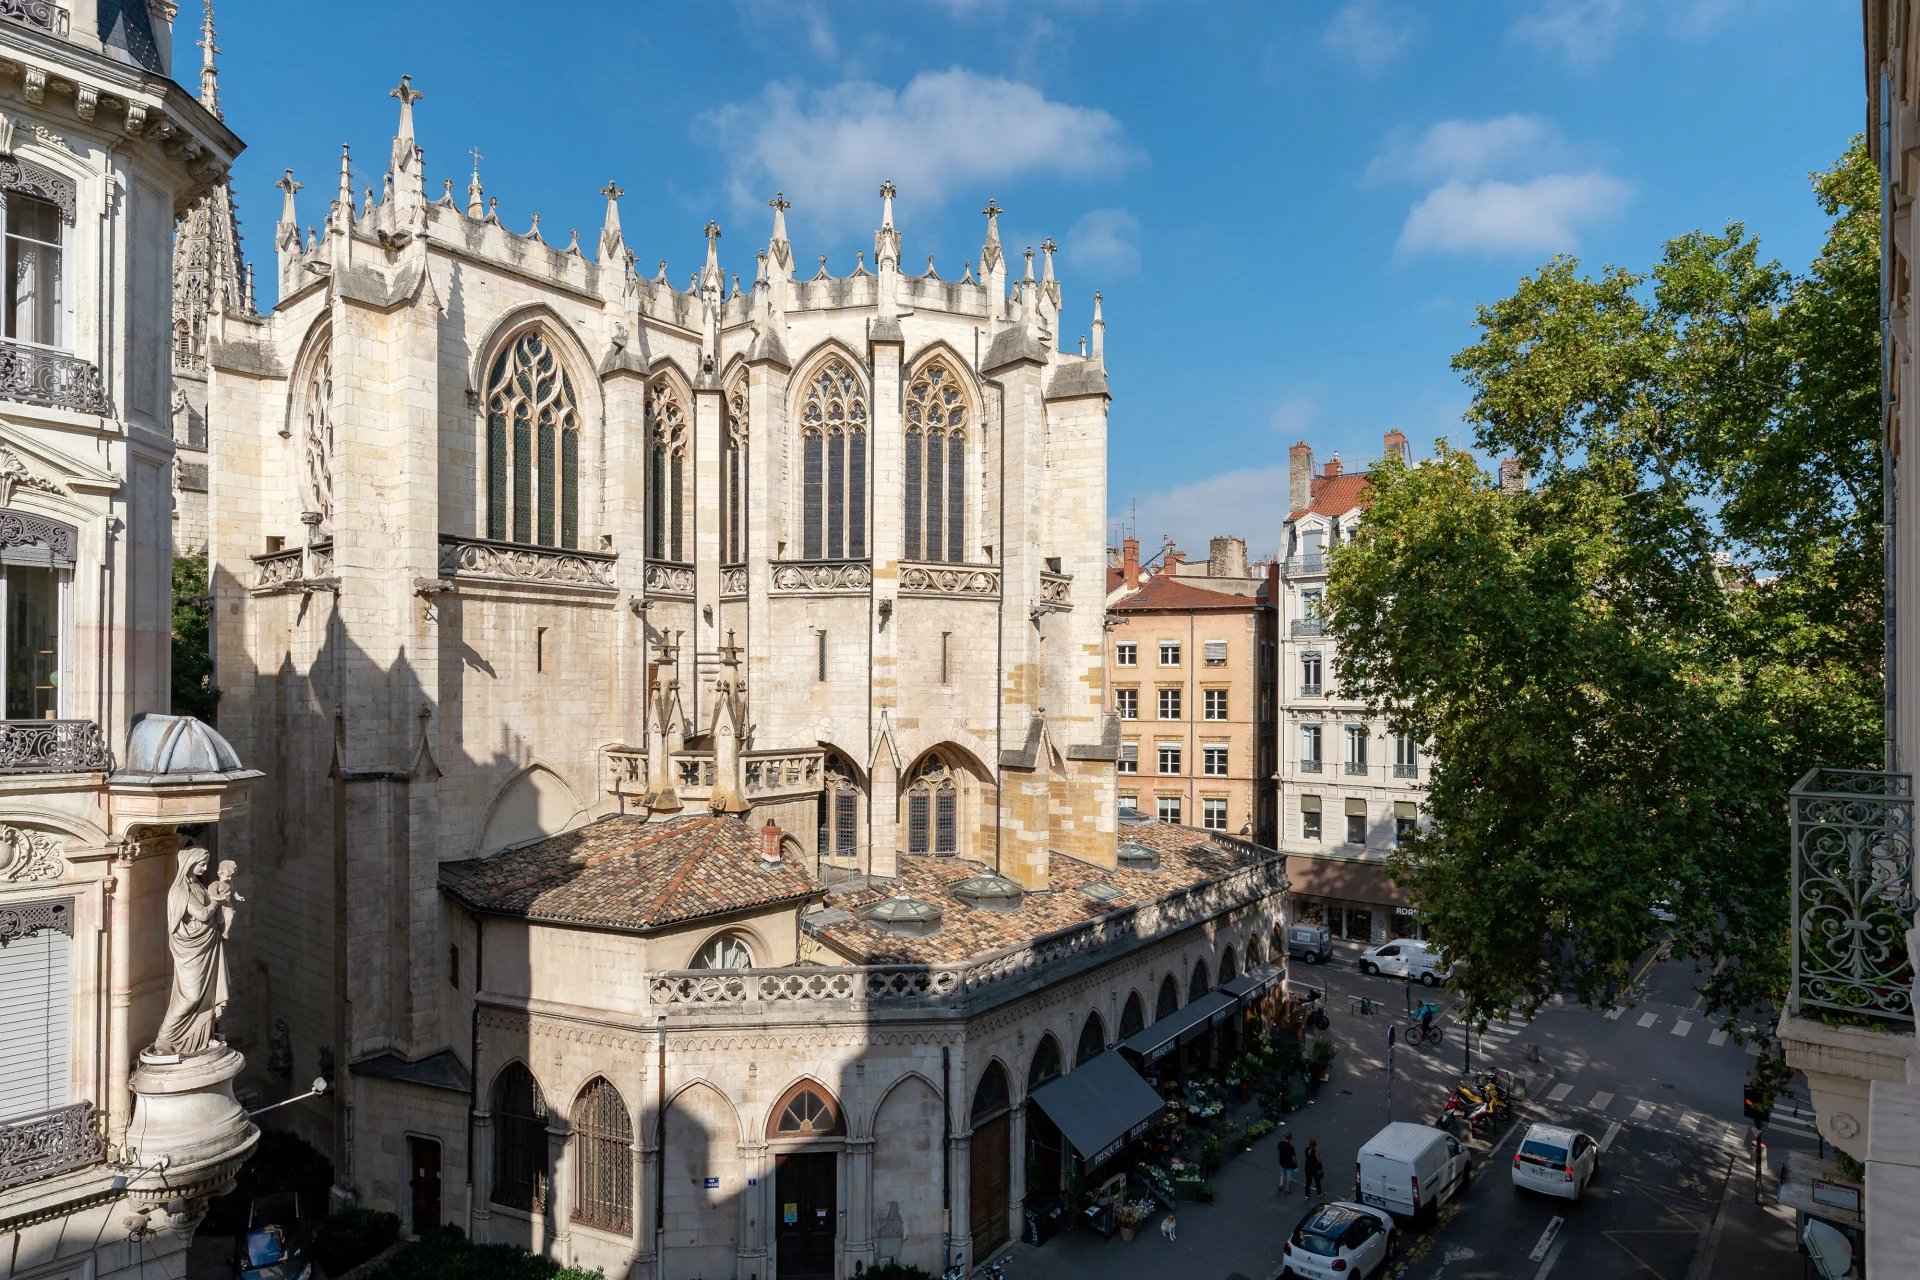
x=1354, y=898
x=1101, y=1109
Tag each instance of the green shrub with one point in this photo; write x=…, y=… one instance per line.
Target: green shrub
x=446, y=1255
x=350, y=1237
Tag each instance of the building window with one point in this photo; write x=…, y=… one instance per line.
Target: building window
x=520, y=1167
x=36, y=287
x=1402, y=828
x=1310, y=603
x=1357, y=750
x=1126, y=654
x=1214, y=704
x=1406, y=756
x=533, y=447
x=1168, y=808
x=32, y=602
x=1129, y=800
x=833, y=447
x=1310, y=674
x=1215, y=653
x=667, y=515
x=1127, y=703
x=317, y=429
x=839, y=812
x=1213, y=761
x=602, y=1158
x=933, y=809
x=1169, y=653
x=1169, y=757
x=36, y=989
x=1169, y=704
x=936, y=465
x=727, y=950
x=1213, y=813
x=1309, y=748
x=806, y=1112
x=820, y=638
x=1310, y=824
x=1356, y=822
x=1129, y=761
x=733, y=477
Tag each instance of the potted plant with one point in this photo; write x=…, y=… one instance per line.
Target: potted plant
x=1210, y=1154
x=1130, y=1215
x=1320, y=1055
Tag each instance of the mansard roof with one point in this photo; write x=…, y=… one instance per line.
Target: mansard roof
x=1078, y=892
x=629, y=874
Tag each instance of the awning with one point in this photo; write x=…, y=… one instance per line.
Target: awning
x=1179, y=1027
x=1251, y=983
x=1099, y=1106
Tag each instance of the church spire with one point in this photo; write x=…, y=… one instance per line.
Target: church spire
x=886, y=241
x=476, y=198
x=993, y=262
x=611, y=241
x=710, y=277
x=779, y=248
x=209, y=52
x=1099, y=333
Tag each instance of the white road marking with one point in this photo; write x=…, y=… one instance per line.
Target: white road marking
x=1546, y=1267
x=1546, y=1240
x=1613, y=1131
x=1681, y=1027
x=1559, y=1093
x=1648, y=1019
x=1641, y=1112
x=1613, y=1014
x=1718, y=1038
x=1601, y=1101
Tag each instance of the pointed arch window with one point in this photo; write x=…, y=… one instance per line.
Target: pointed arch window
x=666, y=471
x=533, y=446
x=1132, y=1018
x=933, y=809
x=728, y=950
x=806, y=1111
x=833, y=465
x=602, y=1158
x=936, y=467
x=1093, y=1040
x=316, y=430
x=839, y=812
x=733, y=478
x=521, y=1170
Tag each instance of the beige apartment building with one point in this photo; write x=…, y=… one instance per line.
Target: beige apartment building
x=1190, y=652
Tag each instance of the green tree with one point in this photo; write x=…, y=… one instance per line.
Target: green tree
x=1622, y=668
x=193, y=691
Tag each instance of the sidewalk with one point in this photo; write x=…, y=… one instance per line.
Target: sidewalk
x=1748, y=1241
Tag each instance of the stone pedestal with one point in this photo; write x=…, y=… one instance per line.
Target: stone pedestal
x=189, y=1134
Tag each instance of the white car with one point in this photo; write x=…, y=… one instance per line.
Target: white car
x=1340, y=1240
x=1407, y=958
x=1555, y=1161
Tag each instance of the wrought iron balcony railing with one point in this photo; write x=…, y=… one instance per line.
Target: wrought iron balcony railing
x=1304, y=562
x=1853, y=894
x=1309, y=690
x=1309, y=766
x=40, y=375
x=1406, y=770
x=43, y=15
x=49, y=1142
x=1309, y=627
x=53, y=746
x=1356, y=769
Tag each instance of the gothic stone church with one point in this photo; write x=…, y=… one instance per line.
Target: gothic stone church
x=689, y=828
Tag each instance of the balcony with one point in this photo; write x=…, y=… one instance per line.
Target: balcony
x=1309, y=766
x=43, y=376
x=1406, y=770
x=1356, y=770
x=1308, y=627
x=1309, y=690
x=525, y=564
x=1308, y=562
x=1850, y=1014
x=53, y=746
x=49, y=1142
x=41, y=15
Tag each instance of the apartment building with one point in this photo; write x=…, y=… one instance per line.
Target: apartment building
x=1190, y=656
x=1349, y=786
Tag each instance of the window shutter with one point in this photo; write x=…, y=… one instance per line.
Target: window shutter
x=36, y=1014
x=1309, y=804
x=1356, y=807
x=1216, y=651
x=1130, y=751
x=1406, y=809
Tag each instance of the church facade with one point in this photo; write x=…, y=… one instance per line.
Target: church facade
x=690, y=826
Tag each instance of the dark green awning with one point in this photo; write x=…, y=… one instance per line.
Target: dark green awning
x=1099, y=1106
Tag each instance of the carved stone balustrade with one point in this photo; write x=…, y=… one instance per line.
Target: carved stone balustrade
x=1853, y=895
x=46, y=1143
x=951, y=581
x=299, y=569
x=693, y=773
x=822, y=578
x=1056, y=590
x=670, y=578
x=625, y=769
x=771, y=775
x=520, y=564
x=39, y=375
x=53, y=746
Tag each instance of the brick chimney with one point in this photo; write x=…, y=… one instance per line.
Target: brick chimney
x=1299, y=476
x=1130, y=561
x=1227, y=557
x=1395, y=444
x=770, y=845
x=1333, y=467
x=1513, y=476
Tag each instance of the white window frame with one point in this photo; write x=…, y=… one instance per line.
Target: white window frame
x=1166, y=647
x=1208, y=697
x=1128, y=760
x=1312, y=733
x=1356, y=735
x=63, y=634
x=1126, y=653
x=1212, y=807
x=1126, y=703
x=1161, y=701
x=1163, y=804
x=1311, y=688
x=1213, y=753
x=1161, y=751
x=69, y=258
x=1362, y=819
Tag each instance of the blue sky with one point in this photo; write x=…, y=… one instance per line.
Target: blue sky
x=1292, y=208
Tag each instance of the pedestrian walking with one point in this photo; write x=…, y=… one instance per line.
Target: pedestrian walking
x=1166, y=1226
x=1288, y=1163
x=1316, y=1172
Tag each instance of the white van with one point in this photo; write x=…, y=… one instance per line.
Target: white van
x=1410, y=1170
x=1407, y=958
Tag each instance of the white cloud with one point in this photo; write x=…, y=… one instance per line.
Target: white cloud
x=829, y=149
x=1369, y=34
x=1460, y=149
x=1104, y=242
x=1250, y=502
x=1542, y=215
x=1581, y=31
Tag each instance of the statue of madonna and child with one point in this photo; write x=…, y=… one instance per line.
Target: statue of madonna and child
x=200, y=913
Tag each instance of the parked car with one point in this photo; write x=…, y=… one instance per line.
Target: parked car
x=1309, y=942
x=1555, y=1161
x=275, y=1244
x=1338, y=1240
x=1407, y=958
x=1410, y=1170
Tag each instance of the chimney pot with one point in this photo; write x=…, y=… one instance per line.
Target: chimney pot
x=1299, y=476
x=1333, y=466
x=770, y=843
x=1130, y=561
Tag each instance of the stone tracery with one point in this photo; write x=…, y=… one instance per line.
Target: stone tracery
x=833, y=452
x=936, y=449
x=667, y=439
x=532, y=497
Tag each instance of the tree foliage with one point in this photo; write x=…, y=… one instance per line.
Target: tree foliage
x=193, y=691
x=1622, y=668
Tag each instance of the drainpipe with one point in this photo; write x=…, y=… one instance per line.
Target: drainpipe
x=660, y=1142
x=473, y=1057
x=1889, y=476
x=946, y=1137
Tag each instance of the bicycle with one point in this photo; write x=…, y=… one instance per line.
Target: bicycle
x=1422, y=1024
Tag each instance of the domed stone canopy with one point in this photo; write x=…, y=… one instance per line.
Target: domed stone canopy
x=177, y=747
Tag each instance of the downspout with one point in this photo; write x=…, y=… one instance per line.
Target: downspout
x=660, y=1140
x=1889, y=442
x=473, y=1057
x=946, y=1140
x=1193, y=735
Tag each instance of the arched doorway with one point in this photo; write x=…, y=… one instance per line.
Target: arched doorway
x=989, y=1165
x=806, y=1180
x=1046, y=1149
x=1134, y=1017
x=1093, y=1040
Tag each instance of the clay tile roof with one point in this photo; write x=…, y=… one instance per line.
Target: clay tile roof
x=1164, y=591
x=627, y=873
x=1188, y=857
x=1338, y=495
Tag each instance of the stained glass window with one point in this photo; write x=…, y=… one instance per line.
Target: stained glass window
x=913, y=494
x=936, y=410
x=530, y=400
x=833, y=423
x=667, y=434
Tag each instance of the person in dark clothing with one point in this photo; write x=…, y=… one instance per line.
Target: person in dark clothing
x=1316, y=1172
x=1288, y=1163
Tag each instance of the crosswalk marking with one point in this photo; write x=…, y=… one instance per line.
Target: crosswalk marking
x=1613, y=1131
x=1601, y=1101
x=1559, y=1093
x=1613, y=1014
x=1641, y=1112
x=1647, y=1020
x=1718, y=1038
x=1681, y=1026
